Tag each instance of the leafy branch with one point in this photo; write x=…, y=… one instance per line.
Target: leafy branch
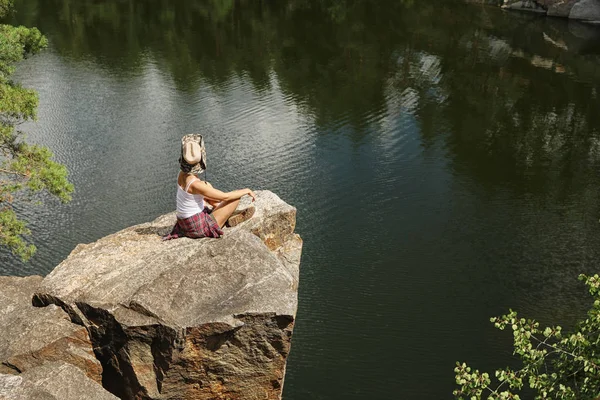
x=555, y=365
x=24, y=168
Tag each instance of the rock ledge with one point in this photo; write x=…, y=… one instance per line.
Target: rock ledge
x=186, y=318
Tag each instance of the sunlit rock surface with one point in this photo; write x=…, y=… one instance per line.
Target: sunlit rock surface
x=187, y=318
x=52, y=381
x=30, y=336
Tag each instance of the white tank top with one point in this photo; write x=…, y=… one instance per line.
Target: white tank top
x=188, y=204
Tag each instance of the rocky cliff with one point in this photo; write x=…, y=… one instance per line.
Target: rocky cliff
x=181, y=319
x=583, y=10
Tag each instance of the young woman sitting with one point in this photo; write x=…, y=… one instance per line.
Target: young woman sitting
x=194, y=218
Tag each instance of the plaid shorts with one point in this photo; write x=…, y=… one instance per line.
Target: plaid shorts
x=198, y=225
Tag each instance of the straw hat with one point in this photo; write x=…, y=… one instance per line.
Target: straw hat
x=193, y=154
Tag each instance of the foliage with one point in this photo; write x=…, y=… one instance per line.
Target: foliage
x=24, y=168
x=556, y=365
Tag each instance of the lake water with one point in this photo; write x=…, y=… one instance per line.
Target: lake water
x=444, y=159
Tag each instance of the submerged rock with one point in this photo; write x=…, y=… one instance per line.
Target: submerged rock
x=52, y=381
x=187, y=318
x=30, y=337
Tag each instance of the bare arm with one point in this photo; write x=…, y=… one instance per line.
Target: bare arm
x=210, y=192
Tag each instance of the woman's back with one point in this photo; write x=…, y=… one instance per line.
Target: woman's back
x=188, y=204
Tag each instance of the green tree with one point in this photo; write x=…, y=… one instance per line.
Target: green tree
x=25, y=169
x=556, y=365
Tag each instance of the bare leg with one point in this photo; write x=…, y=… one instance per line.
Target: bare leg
x=223, y=211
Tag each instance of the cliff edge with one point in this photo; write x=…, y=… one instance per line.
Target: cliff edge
x=186, y=318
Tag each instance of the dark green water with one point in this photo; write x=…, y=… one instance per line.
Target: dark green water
x=444, y=159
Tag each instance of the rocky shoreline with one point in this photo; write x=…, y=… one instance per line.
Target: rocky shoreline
x=132, y=317
x=581, y=10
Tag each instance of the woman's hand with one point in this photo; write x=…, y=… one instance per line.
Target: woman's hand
x=212, y=202
x=251, y=194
